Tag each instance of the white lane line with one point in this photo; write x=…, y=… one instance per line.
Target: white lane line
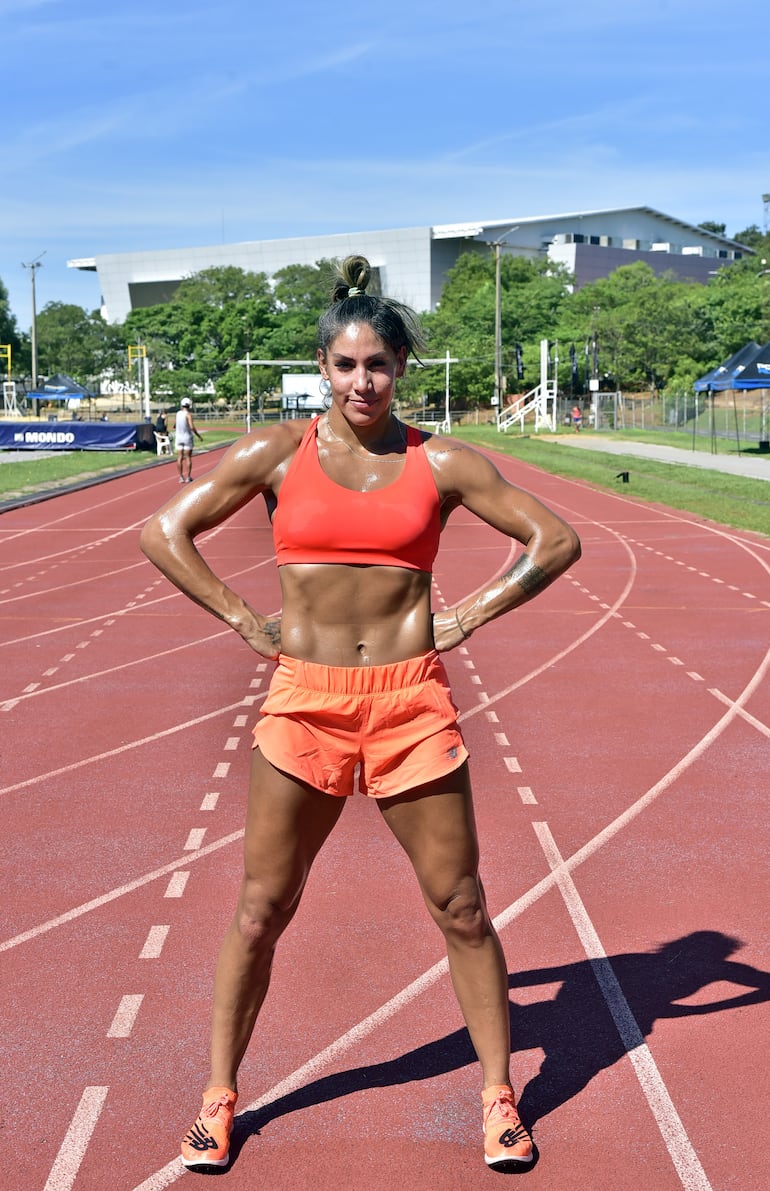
x=121, y=891
x=154, y=942
x=691, y=1174
x=745, y=715
x=502, y=739
x=125, y=1017
x=124, y=748
x=210, y=802
x=123, y=665
x=70, y=1157
x=176, y=885
x=512, y=764
x=222, y=769
x=232, y=743
x=195, y=839
x=526, y=795
x=240, y=721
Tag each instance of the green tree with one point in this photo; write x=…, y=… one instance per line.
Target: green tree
x=82, y=345
x=9, y=336
x=531, y=295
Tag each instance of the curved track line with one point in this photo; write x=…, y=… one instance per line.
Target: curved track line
x=73, y=549
x=150, y=657
x=45, y=591
x=681, y=1150
x=104, y=899
x=123, y=748
x=557, y=657
x=172, y=595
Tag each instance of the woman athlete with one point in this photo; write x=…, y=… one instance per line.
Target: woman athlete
x=359, y=502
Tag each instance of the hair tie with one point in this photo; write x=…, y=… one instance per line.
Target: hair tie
x=355, y=292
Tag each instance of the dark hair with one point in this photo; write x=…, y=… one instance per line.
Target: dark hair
x=396, y=324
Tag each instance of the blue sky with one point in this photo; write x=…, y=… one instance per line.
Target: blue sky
x=168, y=124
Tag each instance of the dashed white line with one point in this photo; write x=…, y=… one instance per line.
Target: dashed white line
x=70, y=1157
x=512, y=764
x=176, y=885
x=502, y=739
x=153, y=944
x=124, y=1019
x=526, y=795
x=210, y=802
x=232, y=743
x=222, y=769
x=195, y=839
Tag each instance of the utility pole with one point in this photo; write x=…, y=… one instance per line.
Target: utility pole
x=497, y=245
x=33, y=266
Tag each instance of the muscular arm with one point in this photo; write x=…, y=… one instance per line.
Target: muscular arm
x=168, y=538
x=550, y=545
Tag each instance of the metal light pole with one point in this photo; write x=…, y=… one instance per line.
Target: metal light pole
x=497, y=245
x=33, y=266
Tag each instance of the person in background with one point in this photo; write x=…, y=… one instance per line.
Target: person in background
x=359, y=501
x=184, y=429
x=577, y=418
x=161, y=423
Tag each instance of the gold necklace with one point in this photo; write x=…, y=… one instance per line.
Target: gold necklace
x=370, y=454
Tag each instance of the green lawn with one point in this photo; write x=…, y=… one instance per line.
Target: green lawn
x=730, y=500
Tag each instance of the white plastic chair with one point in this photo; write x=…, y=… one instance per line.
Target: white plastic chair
x=163, y=443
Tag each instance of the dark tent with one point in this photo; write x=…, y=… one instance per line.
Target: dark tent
x=722, y=377
x=60, y=388
x=756, y=373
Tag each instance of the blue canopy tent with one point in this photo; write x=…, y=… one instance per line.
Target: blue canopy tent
x=749, y=368
x=721, y=378
x=754, y=373
x=61, y=387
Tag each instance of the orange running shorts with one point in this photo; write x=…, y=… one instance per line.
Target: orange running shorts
x=398, y=722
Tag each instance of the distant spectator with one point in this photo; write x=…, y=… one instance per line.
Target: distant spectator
x=183, y=439
x=577, y=418
x=161, y=423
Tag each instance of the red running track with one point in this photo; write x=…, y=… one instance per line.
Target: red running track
x=620, y=734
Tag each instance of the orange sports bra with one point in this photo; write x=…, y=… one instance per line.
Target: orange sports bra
x=317, y=520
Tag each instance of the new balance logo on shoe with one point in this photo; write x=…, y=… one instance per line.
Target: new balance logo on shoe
x=200, y=1139
x=512, y=1137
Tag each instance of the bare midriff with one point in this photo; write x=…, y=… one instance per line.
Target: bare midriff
x=341, y=615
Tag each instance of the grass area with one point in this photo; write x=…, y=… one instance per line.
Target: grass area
x=37, y=474
x=730, y=500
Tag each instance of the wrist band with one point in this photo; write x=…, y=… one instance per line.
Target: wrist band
x=460, y=627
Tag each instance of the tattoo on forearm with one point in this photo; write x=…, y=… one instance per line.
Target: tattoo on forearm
x=528, y=575
x=272, y=630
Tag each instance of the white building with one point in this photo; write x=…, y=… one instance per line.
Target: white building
x=413, y=262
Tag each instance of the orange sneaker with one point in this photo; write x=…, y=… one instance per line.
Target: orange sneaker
x=208, y=1142
x=506, y=1141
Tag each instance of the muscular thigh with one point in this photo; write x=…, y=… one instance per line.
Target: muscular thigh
x=286, y=824
x=435, y=825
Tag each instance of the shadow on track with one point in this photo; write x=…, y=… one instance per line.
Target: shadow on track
x=574, y=1029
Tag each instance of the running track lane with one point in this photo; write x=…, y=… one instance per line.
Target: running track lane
x=619, y=733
